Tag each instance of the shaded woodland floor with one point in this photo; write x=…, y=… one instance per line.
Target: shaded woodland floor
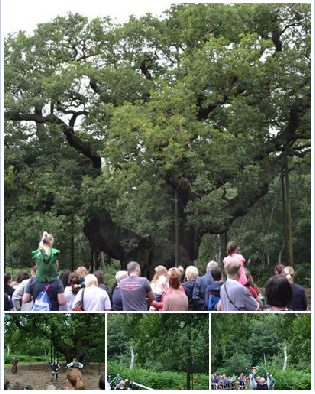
x=38, y=376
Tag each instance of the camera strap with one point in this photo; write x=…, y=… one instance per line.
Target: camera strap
x=227, y=294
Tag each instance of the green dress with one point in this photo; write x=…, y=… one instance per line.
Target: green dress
x=46, y=264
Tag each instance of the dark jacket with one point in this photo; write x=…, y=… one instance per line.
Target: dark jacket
x=299, y=301
x=189, y=287
x=200, y=289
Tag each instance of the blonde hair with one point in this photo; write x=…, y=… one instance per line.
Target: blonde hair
x=288, y=272
x=51, y=387
x=181, y=269
x=74, y=377
x=46, y=239
x=82, y=271
x=90, y=279
x=191, y=272
x=120, y=275
x=160, y=270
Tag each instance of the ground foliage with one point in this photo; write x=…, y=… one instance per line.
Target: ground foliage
x=159, y=380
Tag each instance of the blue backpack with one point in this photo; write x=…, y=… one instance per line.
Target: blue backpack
x=214, y=298
x=42, y=302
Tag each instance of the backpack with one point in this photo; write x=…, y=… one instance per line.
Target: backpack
x=263, y=298
x=80, y=307
x=196, y=294
x=193, y=303
x=214, y=298
x=42, y=302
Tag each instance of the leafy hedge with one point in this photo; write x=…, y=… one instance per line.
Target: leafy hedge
x=24, y=358
x=292, y=380
x=159, y=380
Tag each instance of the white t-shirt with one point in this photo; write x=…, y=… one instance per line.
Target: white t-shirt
x=69, y=297
x=95, y=299
x=160, y=286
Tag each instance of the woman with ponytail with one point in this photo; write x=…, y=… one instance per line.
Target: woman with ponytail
x=73, y=380
x=299, y=301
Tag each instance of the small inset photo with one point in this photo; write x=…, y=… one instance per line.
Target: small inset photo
x=54, y=351
x=261, y=351
x=157, y=351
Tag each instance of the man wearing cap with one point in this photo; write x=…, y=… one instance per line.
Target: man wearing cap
x=235, y=296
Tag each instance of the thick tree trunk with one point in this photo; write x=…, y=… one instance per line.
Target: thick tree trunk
x=106, y=236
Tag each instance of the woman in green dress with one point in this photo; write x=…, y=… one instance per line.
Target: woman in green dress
x=46, y=259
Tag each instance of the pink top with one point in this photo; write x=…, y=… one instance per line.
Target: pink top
x=240, y=259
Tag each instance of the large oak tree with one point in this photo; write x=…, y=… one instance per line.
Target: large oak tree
x=115, y=122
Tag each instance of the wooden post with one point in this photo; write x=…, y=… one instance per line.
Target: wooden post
x=72, y=243
x=177, y=246
x=287, y=215
x=188, y=365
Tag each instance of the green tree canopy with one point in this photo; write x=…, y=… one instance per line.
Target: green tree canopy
x=250, y=336
x=71, y=335
x=106, y=122
x=160, y=342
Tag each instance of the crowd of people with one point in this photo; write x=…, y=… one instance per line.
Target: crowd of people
x=243, y=382
x=227, y=288
x=223, y=382
x=118, y=383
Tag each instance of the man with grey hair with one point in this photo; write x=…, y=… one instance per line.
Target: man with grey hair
x=201, y=285
x=92, y=297
x=135, y=291
x=235, y=296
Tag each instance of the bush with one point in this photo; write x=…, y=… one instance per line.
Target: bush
x=292, y=380
x=24, y=359
x=159, y=380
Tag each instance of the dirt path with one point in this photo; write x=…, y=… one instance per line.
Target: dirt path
x=38, y=376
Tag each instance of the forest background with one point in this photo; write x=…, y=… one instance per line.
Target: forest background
x=39, y=338
x=161, y=351
x=239, y=342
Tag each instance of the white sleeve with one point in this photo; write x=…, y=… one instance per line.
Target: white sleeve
x=108, y=304
x=17, y=296
x=77, y=299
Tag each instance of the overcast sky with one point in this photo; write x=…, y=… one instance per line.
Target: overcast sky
x=25, y=14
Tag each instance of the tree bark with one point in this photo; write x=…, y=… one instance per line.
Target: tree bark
x=188, y=364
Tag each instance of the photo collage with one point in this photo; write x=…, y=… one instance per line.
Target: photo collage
x=157, y=196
